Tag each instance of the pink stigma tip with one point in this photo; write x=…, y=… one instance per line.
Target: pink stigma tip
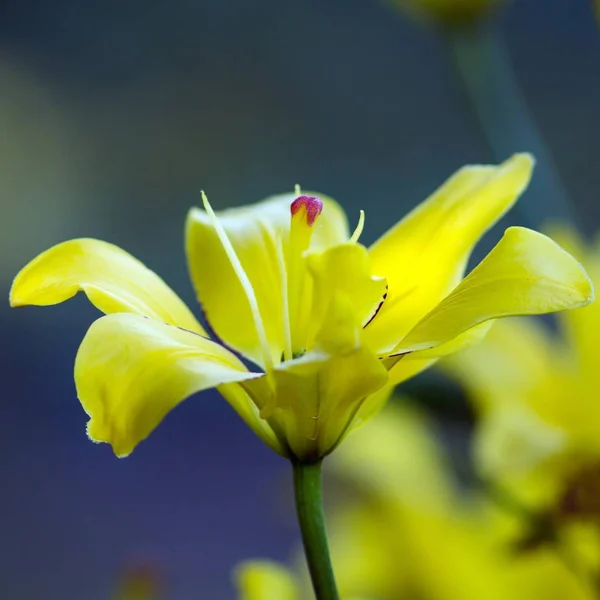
x=312, y=204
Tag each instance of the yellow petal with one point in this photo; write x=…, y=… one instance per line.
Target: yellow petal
x=526, y=273
x=265, y=580
x=130, y=371
x=425, y=255
x=461, y=342
x=243, y=404
x=371, y=406
x=406, y=366
x=342, y=271
x=317, y=396
x=409, y=368
x=400, y=369
x=254, y=233
x=111, y=278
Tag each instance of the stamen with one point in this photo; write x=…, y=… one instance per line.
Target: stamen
x=359, y=228
x=243, y=279
x=297, y=190
x=287, y=353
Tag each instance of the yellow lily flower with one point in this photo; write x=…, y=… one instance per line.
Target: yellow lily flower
x=325, y=321
x=447, y=11
x=409, y=532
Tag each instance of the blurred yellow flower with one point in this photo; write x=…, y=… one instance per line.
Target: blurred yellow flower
x=536, y=390
x=140, y=582
x=265, y=580
x=447, y=11
x=326, y=321
x=410, y=533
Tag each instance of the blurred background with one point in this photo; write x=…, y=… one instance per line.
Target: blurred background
x=113, y=115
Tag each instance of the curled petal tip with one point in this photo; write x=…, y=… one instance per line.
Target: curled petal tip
x=591, y=293
x=13, y=301
x=524, y=157
x=98, y=434
x=522, y=163
x=14, y=298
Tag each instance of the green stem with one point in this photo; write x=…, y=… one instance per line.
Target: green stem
x=493, y=94
x=309, y=506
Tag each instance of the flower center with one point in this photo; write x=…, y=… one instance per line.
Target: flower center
x=581, y=494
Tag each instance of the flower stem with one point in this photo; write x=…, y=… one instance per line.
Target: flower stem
x=308, y=492
x=492, y=93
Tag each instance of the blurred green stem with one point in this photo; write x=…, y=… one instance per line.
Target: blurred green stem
x=308, y=492
x=493, y=94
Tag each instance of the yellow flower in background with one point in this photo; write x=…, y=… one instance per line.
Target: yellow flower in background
x=324, y=321
x=518, y=369
x=264, y=580
x=536, y=394
x=140, y=582
x=267, y=580
x=448, y=11
x=413, y=508
x=410, y=532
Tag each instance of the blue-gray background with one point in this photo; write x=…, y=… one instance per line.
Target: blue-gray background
x=113, y=114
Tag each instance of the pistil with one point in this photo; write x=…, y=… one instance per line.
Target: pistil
x=304, y=213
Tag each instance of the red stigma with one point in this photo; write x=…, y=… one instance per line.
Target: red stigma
x=312, y=204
